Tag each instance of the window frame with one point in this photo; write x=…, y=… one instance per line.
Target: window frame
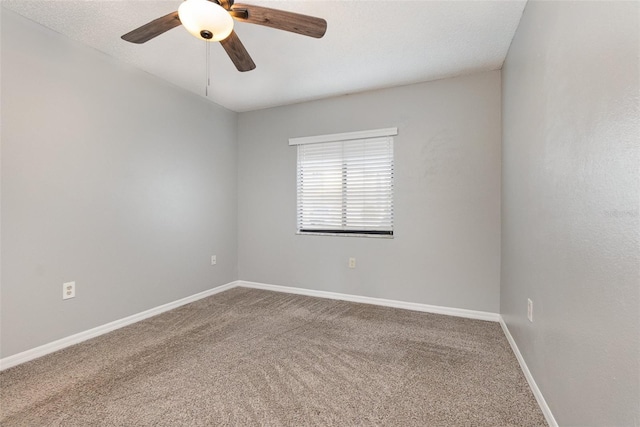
x=345, y=138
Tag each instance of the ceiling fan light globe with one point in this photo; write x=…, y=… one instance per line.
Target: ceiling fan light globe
x=205, y=17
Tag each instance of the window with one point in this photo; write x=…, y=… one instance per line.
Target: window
x=345, y=183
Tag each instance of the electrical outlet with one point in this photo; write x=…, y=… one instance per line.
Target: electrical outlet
x=68, y=290
x=352, y=263
x=214, y=260
x=529, y=310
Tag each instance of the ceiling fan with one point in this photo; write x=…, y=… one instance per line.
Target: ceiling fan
x=212, y=20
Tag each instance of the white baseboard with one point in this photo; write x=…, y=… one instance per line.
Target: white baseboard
x=458, y=312
x=532, y=383
x=51, y=347
x=42, y=350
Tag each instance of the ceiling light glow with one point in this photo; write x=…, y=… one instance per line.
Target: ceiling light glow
x=205, y=20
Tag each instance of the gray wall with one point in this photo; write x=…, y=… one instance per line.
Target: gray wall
x=446, y=249
x=110, y=178
x=570, y=206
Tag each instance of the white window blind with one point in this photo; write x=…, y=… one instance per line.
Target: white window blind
x=346, y=187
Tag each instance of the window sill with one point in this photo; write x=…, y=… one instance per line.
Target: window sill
x=375, y=236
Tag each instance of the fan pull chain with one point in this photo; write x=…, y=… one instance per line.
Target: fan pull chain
x=207, y=50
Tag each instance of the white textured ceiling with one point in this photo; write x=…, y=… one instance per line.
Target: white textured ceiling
x=369, y=44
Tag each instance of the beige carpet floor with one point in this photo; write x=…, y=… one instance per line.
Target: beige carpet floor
x=253, y=357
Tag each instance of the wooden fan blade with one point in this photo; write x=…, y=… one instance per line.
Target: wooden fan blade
x=274, y=18
x=225, y=3
x=153, y=28
x=238, y=54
